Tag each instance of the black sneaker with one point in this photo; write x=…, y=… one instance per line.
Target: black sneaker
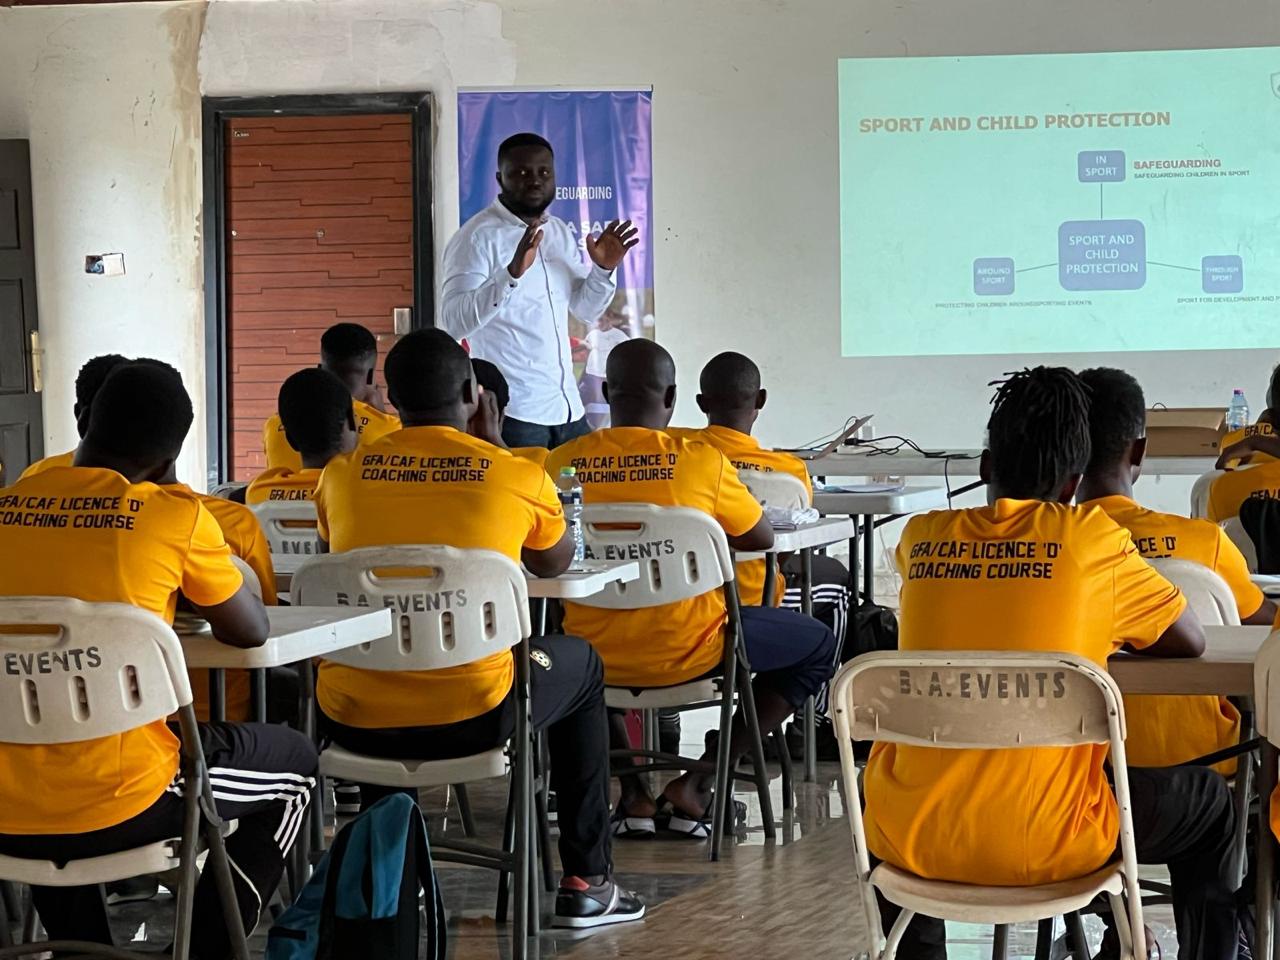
x=346, y=797
x=581, y=906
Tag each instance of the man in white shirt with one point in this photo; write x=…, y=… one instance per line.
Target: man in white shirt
x=512, y=274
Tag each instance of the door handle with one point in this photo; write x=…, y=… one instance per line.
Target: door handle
x=37, y=363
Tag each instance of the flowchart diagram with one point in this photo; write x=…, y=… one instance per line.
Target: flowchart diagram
x=1104, y=254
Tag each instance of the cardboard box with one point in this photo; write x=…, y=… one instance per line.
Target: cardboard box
x=1185, y=431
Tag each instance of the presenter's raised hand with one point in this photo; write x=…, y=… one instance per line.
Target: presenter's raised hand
x=608, y=249
x=526, y=251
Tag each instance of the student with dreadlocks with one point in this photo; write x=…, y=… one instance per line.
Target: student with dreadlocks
x=1033, y=816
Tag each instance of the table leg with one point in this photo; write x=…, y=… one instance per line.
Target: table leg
x=258, y=695
x=523, y=918
x=853, y=563
x=868, y=557
x=810, y=710
x=217, y=696
x=1264, y=940
x=770, y=579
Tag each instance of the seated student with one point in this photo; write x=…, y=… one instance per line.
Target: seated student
x=100, y=796
x=791, y=654
x=88, y=381
x=350, y=353
x=1163, y=731
x=1252, y=457
x=930, y=811
x=510, y=506
x=316, y=413
x=732, y=399
x=492, y=382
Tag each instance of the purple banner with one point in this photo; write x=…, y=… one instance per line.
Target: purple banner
x=604, y=172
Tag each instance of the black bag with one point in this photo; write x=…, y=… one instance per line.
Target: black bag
x=874, y=628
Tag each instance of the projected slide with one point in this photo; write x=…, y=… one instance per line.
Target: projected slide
x=1060, y=203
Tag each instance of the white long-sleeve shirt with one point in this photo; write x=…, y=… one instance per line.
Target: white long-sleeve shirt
x=522, y=326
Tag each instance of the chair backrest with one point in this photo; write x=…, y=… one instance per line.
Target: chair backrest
x=1206, y=592
x=290, y=526
x=978, y=700
x=776, y=489
x=683, y=553
x=450, y=607
x=1236, y=533
x=1266, y=688
x=250, y=576
x=76, y=671
x=1200, y=492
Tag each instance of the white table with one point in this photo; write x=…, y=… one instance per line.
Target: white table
x=908, y=499
x=866, y=507
x=860, y=462
x=583, y=581
x=296, y=633
x=1225, y=670
x=1268, y=583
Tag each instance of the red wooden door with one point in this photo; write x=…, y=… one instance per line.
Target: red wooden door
x=319, y=230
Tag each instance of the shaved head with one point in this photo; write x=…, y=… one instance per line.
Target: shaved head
x=428, y=372
x=730, y=380
x=640, y=384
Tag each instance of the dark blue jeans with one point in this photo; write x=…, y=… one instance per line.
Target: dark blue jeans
x=790, y=654
x=519, y=433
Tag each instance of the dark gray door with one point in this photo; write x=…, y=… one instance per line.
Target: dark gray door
x=21, y=424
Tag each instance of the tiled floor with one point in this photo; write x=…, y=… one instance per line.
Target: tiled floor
x=795, y=898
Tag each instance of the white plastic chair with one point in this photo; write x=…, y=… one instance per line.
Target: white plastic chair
x=867, y=705
x=290, y=526
x=432, y=635
x=691, y=558
x=1236, y=533
x=1200, y=492
x=1207, y=593
x=141, y=678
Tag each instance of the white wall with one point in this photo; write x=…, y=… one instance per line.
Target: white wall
x=108, y=97
x=745, y=156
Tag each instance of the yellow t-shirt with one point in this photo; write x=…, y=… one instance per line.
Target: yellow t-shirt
x=88, y=533
x=657, y=646
x=1165, y=731
x=537, y=455
x=48, y=463
x=243, y=533
x=371, y=424
x=1234, y=488
x=430, y=485
x=282, y=483
x=745, y=453
x=1019, y=575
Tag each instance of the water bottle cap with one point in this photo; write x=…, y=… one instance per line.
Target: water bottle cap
x=1237, y=392
x=568, y=471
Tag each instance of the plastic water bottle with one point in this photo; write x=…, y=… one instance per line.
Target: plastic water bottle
x=1238, y=412
x=570, y=491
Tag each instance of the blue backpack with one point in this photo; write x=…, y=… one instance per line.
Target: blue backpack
x=362, y=899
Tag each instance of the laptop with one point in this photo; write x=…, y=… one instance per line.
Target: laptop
x=835, y=444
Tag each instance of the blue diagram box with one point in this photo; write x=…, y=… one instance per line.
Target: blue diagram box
x=1102, y=255
x=993, y=276
x=1100, y=166
x=1222, y=274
